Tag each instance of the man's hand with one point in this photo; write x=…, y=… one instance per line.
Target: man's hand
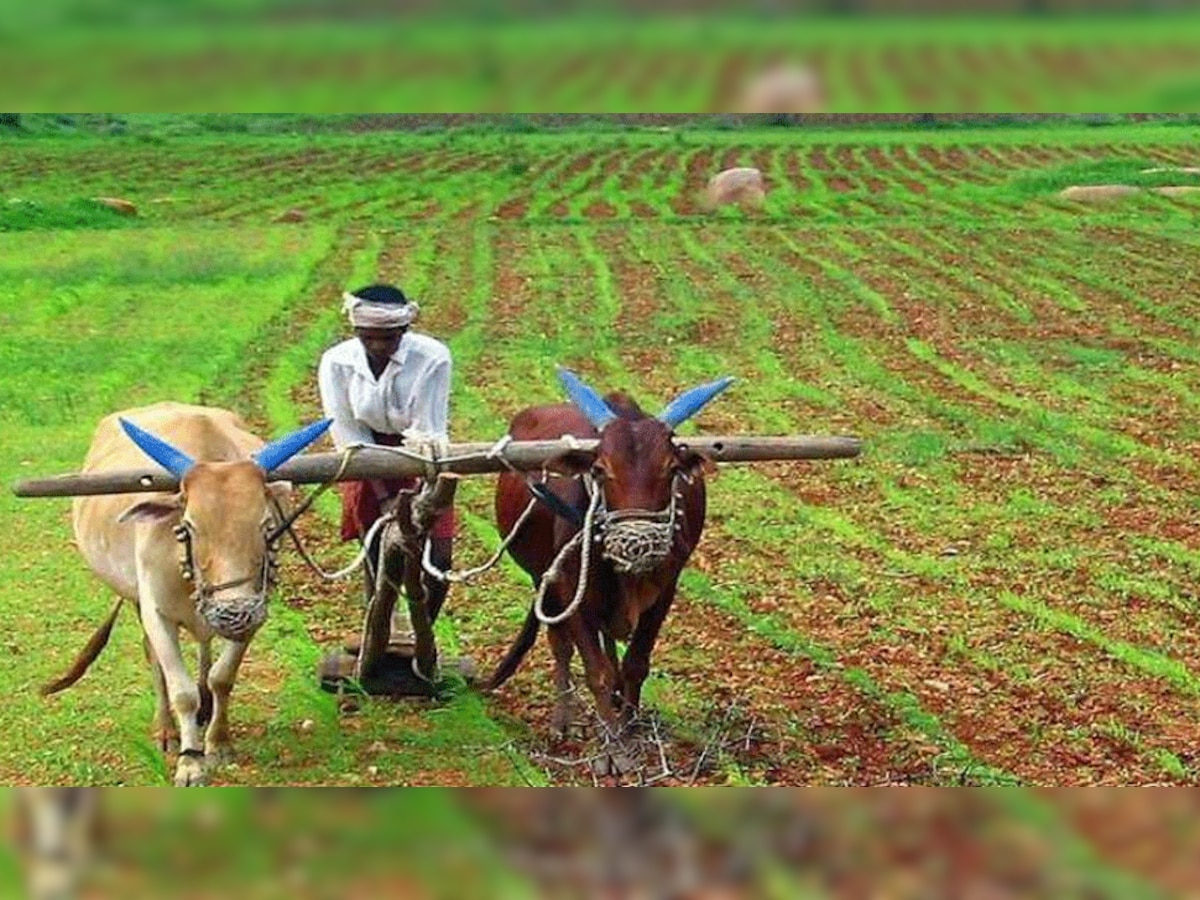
x=431, y=446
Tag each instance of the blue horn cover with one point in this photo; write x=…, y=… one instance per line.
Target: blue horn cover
x=589, y=402
x=692, y=401
x=174, y=461
x=276, y=453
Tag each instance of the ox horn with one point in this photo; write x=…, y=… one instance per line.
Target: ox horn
x=589, y=402
x=276, y=453
x=174, y=461
x=692, y=401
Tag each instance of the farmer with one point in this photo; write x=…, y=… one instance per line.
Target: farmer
x=388, y=385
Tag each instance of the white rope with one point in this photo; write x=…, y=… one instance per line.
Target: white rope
x=496, y=451
x=362, y=553
x=416, y=670
x=347, y=453
x=553, y=573
x=398, y=451
x=463, y=575
x=498, y=448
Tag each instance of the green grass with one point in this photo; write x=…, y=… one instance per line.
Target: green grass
x=27, y=215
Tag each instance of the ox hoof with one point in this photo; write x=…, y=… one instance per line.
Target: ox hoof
x=189, y=772
x=567, y=727
x=620, y=762
x=560, y=722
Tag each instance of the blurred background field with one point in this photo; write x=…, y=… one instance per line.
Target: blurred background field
x=601, y=58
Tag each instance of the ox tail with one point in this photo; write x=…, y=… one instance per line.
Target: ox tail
x=87, y=656
x=516, y=653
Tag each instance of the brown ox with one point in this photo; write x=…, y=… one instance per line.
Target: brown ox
x=201, y=559
x=648, y=515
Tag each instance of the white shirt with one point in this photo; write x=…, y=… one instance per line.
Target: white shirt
x=411, y=397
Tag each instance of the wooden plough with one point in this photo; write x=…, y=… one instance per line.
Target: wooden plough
x=402, y=671
x=460, y=459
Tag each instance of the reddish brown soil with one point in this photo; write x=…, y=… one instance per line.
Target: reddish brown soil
x=700, y=165
x=879, y=162
x=793, y=164
x=577, y=165
x=599, y=209
x=818, y=158
x=908, y=159
x=637, y=167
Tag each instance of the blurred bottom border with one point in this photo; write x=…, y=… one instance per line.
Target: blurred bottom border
x=582, y=842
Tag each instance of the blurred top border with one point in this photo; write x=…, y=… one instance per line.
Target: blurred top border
x=92, y=13
x=766, y=57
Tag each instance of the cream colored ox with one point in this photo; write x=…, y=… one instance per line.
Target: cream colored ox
x=201, y=559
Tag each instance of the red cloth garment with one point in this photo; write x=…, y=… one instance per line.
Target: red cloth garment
x=360, y=506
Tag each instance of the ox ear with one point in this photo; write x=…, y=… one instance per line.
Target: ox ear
x=692, y=401
x=696, y=463
x=590, y=403
x=279, y=495
x=276, y=453
x=281, y=491
x=153, y=510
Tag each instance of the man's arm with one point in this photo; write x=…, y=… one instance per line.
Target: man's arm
x=431, y=411
x=335, y=401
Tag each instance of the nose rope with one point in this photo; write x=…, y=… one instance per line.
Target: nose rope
x=585, y=537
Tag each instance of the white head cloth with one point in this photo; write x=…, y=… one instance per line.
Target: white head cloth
x=365, y=314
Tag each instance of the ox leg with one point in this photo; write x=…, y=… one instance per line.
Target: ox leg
x=165, y=731
x=204, y=665
x=563, y=649
x=610, y=650
x=636, y=665
x=182, y=691
x=220, y=681
x=615, y=758
x=600, y=673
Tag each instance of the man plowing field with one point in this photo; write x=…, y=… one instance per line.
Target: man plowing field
x=389, y=386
